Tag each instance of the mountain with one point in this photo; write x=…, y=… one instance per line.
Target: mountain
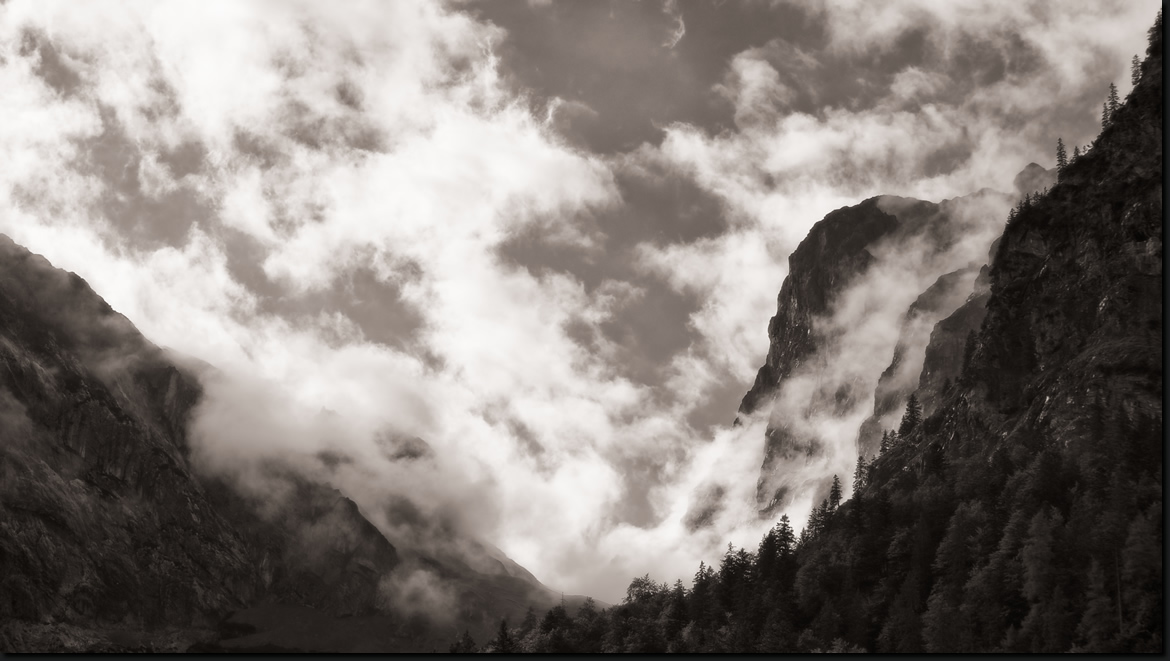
x=110, y=539
x=902, y=377
x=860, y=268
x=1021, y=511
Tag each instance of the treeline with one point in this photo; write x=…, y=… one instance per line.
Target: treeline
x=946, y=549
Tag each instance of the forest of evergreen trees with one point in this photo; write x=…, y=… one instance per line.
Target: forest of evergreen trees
x=955, y=544
x=1039, y=549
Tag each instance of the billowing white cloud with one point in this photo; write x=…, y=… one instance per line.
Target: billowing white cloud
x=380, y=136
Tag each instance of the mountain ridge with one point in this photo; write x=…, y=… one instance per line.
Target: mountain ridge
x=112, y=539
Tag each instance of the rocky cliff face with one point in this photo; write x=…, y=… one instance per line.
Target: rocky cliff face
x=902, y=376
x=108, y=535
x=833, y=254
x=93, y=431
x=1075, y=309
x=812, y=376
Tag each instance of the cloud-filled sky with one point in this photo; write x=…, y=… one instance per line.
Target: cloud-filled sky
x=544, y=236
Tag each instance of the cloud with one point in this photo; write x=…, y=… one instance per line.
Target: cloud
x=224, y=173
x=670, y=8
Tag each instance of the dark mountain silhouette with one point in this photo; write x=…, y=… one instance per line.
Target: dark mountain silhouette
x=111, y=540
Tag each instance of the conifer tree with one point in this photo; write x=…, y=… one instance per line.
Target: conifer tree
x=1135, y=70
x=503, y=644
x=1098, y=626
x=859, y=476
x=835, y=494
x=786, y=538
x=1061, y=159
x=464, y=644
x=911, y=418
x=529, y=622
x=1104, y=114
x=1114, y=101
x=1076, y=152
x=885, y=446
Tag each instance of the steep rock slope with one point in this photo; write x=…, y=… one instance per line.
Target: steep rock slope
x=902, y=376
x=102, y=520
x=811, y=378
x=825, y=262
x=110, y=539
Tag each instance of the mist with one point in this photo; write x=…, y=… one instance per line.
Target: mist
x=218, y=173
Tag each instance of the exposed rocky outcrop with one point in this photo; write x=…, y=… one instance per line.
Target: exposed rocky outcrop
x=902, y=376
x=1075, y=309
x=951, y=343
x=829, y=258
x=1034, y=179
x=807, y=374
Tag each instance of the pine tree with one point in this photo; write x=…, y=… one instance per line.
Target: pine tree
x=1104, y=114
x=1155, y=32
x=464, y=644
x=786, y=538
x=1098, y=625
x=503, y=644
x=1135, y=70
x=1076, y=152
x=911, y=418
x=816, y=518
x=835, y=494
x=529, y=622
x=859, y=476
x=1061, y=159
x=885, y=446
x=1114, y=101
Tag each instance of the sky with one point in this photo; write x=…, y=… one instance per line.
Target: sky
x=544, y=236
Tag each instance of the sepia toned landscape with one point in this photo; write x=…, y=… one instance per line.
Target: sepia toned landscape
x=547, y=326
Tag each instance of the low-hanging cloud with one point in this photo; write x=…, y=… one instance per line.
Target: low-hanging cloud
x=284, y=145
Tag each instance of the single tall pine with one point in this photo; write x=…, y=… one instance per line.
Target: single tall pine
x=835, y=494
x=1114, y=101
x=1135, y=70
x=503, y=644
x=859, y=476
x=1061, y=159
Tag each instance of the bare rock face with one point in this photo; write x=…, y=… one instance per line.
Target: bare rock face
x=821, y=266
x=818, y=365
x=1074, y=318
x=901, y=378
